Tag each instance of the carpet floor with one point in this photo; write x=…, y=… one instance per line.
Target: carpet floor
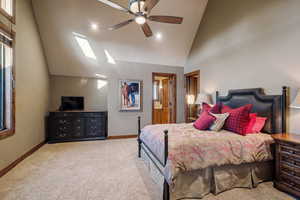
x=98, y=170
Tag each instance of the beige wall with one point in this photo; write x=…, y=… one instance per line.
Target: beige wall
x=245, y=44
x=124, y=123
x=32, y=88
x=119, y=123
x=94, y=93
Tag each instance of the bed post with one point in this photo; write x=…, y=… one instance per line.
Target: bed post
x=138, y=139
x=166, y=194
x=284, y=106
x=217, y=96
x=166, y=146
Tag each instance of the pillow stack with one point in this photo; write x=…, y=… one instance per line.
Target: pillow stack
x=238, y=120
x=211, y=118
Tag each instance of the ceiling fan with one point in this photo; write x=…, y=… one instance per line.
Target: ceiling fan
x=141, y=9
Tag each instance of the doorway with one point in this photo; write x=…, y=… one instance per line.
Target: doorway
x=192, y=88
x=164, y=98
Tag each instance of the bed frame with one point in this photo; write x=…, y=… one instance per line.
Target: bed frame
x=271, y=106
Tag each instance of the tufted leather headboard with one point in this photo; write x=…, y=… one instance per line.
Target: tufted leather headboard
x=271, y=106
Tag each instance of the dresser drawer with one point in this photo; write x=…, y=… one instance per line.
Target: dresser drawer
x=94, y=114
x=64, y=114
x=289, y=148
x=291, y=181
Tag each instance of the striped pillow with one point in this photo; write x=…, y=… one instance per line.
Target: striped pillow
x=219, y=122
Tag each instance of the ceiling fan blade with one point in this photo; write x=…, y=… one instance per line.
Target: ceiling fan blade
x=166, y=19
x=147, y=30
x=149, y=4
x=139, y=4
x=116, y=6
x=117, y=26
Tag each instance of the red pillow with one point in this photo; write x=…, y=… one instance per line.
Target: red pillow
x=216, y=109
x=238, y=119
x=204, y=121
x=225, y=109
x=259, y=124
x=251, y=123
x=256, y=123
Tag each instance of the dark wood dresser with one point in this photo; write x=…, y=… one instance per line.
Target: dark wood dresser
x=76, y=126
x=287, y=158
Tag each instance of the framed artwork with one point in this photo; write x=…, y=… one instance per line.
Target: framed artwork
x=130, y=95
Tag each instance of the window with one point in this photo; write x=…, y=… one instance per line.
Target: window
x=7, y=95
x=8, y=9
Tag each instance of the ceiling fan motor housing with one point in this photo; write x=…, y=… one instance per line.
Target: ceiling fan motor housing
x=134, y=6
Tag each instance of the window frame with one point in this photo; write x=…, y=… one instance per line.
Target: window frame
x=11, y=18
x=11, y=131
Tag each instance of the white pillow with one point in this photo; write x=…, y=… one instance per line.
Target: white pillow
x=219, y=122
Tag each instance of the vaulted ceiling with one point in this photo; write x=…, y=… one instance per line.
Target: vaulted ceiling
x=59, y=20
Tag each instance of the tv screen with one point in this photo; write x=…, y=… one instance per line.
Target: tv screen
x=72, y=103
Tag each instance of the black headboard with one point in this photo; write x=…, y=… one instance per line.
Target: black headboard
x=271, y=106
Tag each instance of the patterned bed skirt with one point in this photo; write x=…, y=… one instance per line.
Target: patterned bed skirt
x=199, y=183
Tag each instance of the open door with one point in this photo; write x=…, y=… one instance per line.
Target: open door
x=164, y=98
x=192, y=82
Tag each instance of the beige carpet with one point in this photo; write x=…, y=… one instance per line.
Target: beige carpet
x=98, y=170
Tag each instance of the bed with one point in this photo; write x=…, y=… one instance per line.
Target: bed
x=189, y=163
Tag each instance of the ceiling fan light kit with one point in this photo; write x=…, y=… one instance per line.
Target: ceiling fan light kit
x=140, y=20
x=135, y=7
x=140, y=9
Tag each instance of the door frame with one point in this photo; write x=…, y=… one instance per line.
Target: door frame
x=170, y=75
x=186, y=76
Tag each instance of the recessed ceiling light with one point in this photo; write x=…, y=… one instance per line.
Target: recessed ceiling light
x=158, y=36
x=110, y=59
x=101, y=84
x=94, y=26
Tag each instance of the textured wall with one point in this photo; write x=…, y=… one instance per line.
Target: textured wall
x=245, y=44
x=32, y=88
x=94, y=93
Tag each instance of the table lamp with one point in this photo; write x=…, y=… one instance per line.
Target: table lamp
x=296, y=102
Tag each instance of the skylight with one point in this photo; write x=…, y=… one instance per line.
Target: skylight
x=101, y=84
x=7, y=5
x=85, y=46
x=100, y=76
x=110, y=59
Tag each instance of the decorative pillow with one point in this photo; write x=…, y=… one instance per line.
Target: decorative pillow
x=219, y=122
x=259, y=124
x=256, y=123
x=225, y=109
x=216, y=109
x=204, y=121
x=238, y=119
x=251, y=123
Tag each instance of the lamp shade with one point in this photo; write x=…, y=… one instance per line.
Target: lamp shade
x=296, y=102
x=191, y=99
x=203, y=98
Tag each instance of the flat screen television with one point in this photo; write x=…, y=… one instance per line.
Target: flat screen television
x=72, y=103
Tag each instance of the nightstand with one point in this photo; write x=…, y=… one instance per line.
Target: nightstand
x=287, y=158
